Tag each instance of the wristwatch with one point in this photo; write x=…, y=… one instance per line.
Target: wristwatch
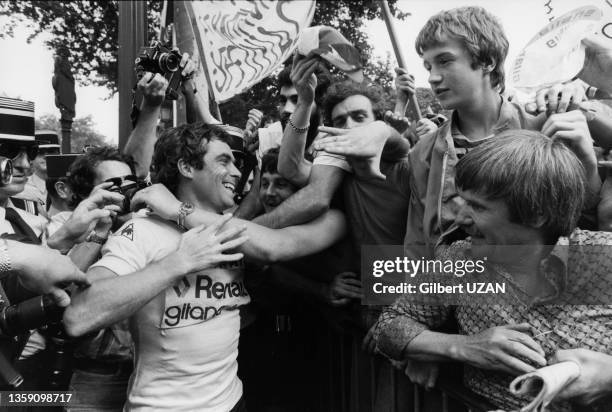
x=93, y=237
x=185, y=209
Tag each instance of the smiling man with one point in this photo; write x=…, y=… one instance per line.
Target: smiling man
x=523, y=195
x=185, y=336
x=185, y=323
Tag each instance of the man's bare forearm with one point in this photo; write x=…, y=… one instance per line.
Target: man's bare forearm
x=303, y=206
x=269, y=245
x=112, y=298
x=291, y=162
x=85, y=254
x=141, y=142
x=307, y=203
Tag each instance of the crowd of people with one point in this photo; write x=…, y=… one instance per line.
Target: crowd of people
x=166, y=281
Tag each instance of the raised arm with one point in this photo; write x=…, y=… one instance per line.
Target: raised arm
x=307, y=203
x=264, y=244
x=291, y=162
x=142, y=139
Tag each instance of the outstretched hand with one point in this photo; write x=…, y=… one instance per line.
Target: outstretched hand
x=96, y=211
x=361, y=144
x=597, y=69
x=153, y=88
x=558, y=98
x=404, y=84
x=205, y=247
x=303, y=78
x=343, y=288
x=45, y=271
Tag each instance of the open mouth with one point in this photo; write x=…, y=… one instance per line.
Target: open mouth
x=440, y=91
x=230, y=186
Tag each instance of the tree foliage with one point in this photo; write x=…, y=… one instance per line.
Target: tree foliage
x=348, y=17
x=83, y=131
x=90, y=29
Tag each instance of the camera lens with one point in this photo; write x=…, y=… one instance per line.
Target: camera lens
x=6, y=171
x=169, y=62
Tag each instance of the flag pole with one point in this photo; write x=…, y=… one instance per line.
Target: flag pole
x=386, y=12
x=196, y=34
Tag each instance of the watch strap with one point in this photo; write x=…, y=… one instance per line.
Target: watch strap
x=185, y=209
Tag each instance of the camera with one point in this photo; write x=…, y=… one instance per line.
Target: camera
x=44, y=314
x=160, y=59
x=6, y=170
x=30, y=314
x=127, y=186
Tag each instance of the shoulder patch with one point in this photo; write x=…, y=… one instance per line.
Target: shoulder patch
x=128, y=232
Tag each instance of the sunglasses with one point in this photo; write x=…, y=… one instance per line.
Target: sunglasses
x=13, y=150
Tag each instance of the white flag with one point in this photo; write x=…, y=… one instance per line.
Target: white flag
x=245, y=41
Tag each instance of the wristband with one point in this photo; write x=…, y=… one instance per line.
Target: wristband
x=184, y=210
x=5, y=259
x=298, y=129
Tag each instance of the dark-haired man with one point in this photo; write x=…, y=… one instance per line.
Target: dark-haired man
x=185, y=316
x=103, y=360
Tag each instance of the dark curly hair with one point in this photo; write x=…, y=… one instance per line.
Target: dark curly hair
x=339, y=92
x=188, y=142
x=82, y=172
x=324, y=80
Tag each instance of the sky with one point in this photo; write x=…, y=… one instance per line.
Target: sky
x=27, y=69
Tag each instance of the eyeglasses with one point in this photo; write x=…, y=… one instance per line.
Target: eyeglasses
x=13, y=150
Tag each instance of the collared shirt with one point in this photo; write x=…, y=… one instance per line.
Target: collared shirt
x=434, y=202
x=37, y=223
x=578, y=265
x=35, y=190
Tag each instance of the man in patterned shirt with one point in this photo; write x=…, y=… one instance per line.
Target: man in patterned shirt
x=523, y=189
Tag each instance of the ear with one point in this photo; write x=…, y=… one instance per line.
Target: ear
x=63, y=190
x=185, y=169
x=488, y=68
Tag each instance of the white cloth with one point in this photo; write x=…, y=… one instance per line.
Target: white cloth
x=187, y=336
x=56, y=221
x=321, y=157
x=269, y=138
